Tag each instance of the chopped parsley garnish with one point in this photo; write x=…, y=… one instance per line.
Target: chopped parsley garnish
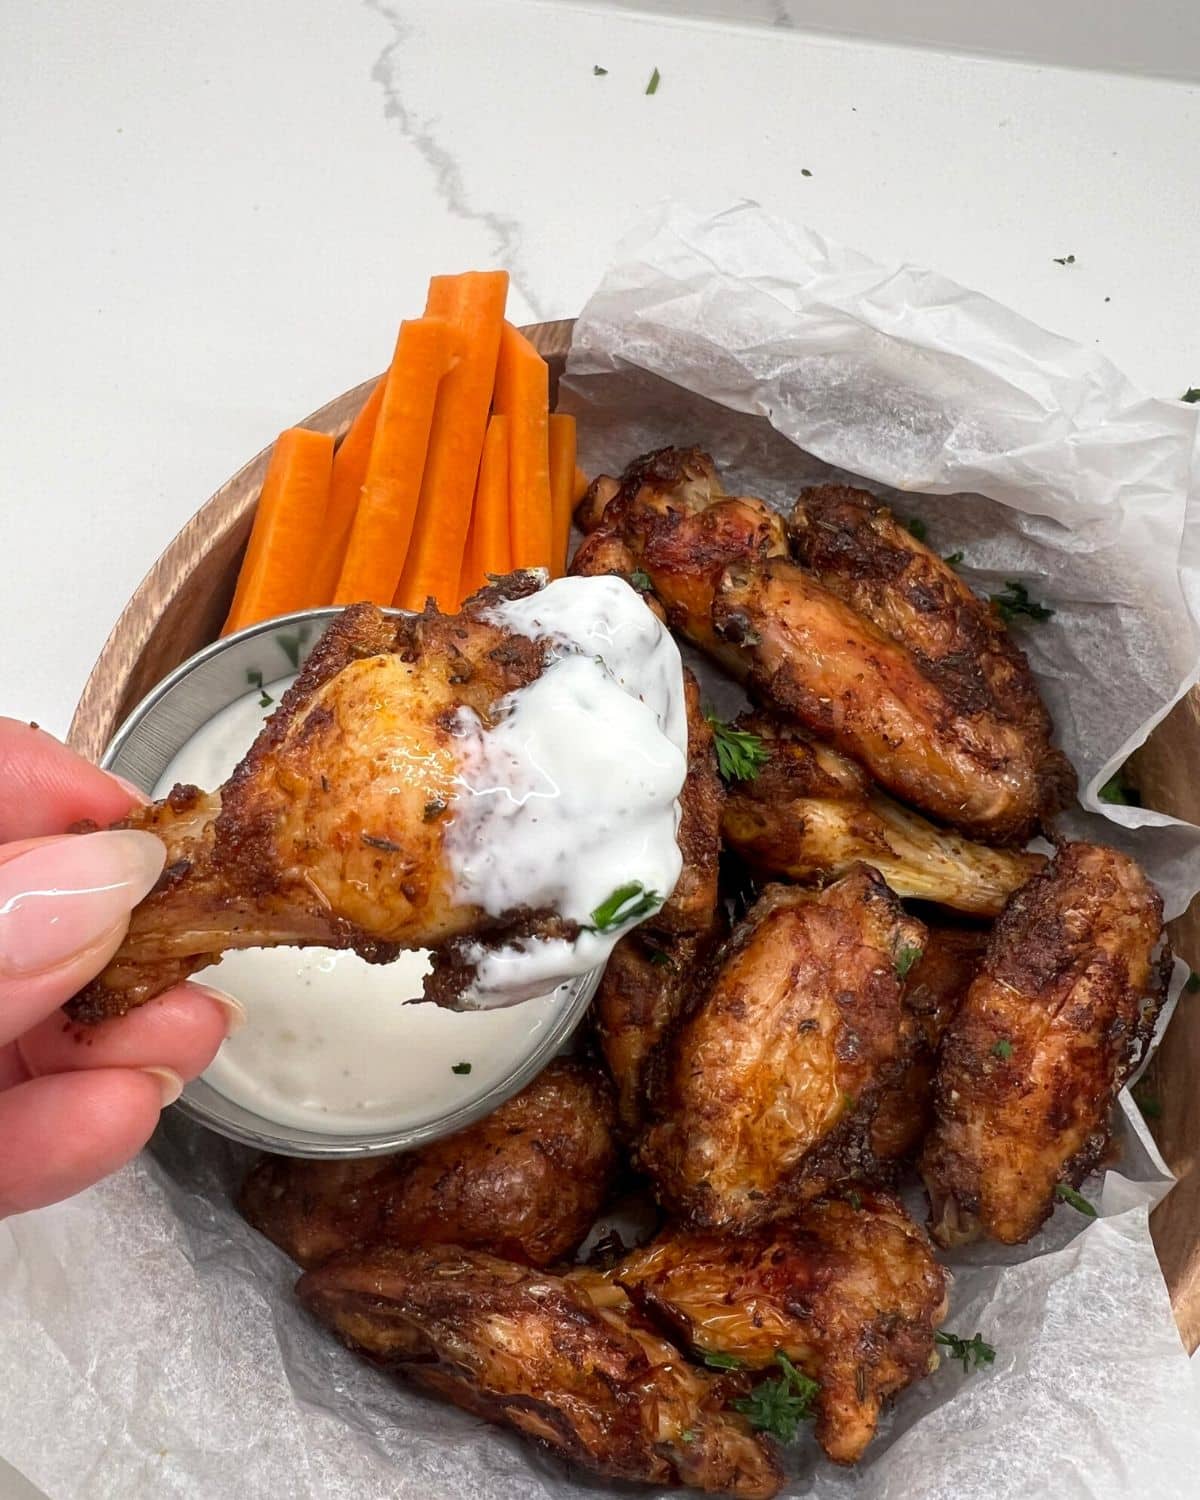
x=779, y=1406
x=973, y=1352
x=1003, y=1049
x=715, y=1360
x=1148, y=1104
x=952, y=559
x=740, y=754
x=628, y=903
x=598, y=71
x=640, y=581
x=916, y=527
x=1117, y=789
x=255, y=679
x=1063, y=260
x=804, y=172
x=1015, y=601
x=854, y=1200
x=1067, y=1194
x=688, y=1435
x=463, y=1067
x=905, y=959
x=655, y=80
x=660, y=960
x=1191, y=395
x=290, y=645
x=1192, y=983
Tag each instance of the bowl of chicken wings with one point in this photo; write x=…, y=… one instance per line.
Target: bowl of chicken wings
x=882, y=1015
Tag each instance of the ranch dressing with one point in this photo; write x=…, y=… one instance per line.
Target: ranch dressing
x=329, y=1044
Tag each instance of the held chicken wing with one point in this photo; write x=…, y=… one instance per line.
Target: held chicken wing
x=933, y=990
x=768, y=1087
x=342, y=826
x=1071, y=983
x=810, y=813
x=536, y=1353
x=720, y=568
x=525, y=1182
x=848, y=1290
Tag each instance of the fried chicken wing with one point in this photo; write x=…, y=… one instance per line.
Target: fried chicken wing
x=525, y=1182
x=648, y=977
x=848, y=1290
x=811, y=813
x=934, y=988
x=769, y=1086
x=720, y=567
x=536, y=1353
x=1072, y=980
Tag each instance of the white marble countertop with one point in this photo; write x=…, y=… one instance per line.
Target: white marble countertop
x=215, y=215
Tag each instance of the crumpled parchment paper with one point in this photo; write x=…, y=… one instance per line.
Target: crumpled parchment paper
x=149, y=1337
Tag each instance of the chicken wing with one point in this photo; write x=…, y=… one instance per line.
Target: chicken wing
x=811, y=813
x=651, y=971
x=769, y=1086
x=848, y=1290
x=1072, y=980
x=526, y=1182
x=536, y=1353
x=933, y=990
x=720, y=567
x=340, y=827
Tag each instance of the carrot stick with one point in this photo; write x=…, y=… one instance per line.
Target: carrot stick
x=562, y=487
x=487, y=541
x=349, y=472
x=474, y=305
x=426, y=349
x=277, y=570
x=523, y=395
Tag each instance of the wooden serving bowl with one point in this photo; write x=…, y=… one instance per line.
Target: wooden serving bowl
x=182, y=602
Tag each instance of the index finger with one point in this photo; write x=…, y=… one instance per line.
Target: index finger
x=45, y=787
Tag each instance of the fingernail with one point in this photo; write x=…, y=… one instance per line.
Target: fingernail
x=134, y=791
x=235, y=1011
x=59, y=898
x=169, y=1082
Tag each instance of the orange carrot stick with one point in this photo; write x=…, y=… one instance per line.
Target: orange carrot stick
x=562, y=487
x=523, y=396
x=426, y=349
x=488, y=549
x=349, y=472
x=277, y=570
x=433, y=567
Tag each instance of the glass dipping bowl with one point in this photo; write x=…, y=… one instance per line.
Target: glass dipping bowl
x=141, y=751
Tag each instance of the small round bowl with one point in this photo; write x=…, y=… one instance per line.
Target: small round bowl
x=141, y=751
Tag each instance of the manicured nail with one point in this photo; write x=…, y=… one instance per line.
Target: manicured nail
x=134, y=791
x=235, y=1011
x=169, y=1082
x=59, y=898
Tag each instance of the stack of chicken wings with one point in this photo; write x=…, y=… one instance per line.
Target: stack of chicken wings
x=906, y=994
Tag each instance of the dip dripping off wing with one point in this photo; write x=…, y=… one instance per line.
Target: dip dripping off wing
x=331, y=830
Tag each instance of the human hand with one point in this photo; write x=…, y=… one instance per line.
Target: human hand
x=77, y=1102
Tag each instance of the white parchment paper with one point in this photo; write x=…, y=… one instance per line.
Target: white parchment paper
x=149, y=1338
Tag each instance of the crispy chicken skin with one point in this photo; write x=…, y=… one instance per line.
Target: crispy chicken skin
x=330, y=831
x=934, y=988
x=1070, y=986
x=848, y=1290
x=526, y=1182
x=651, y=971
x=860, y=552
x=536, y=1353
x=720, y=566
x=768, y=1087
x=811, y=813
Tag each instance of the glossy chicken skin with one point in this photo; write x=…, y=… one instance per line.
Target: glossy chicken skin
x=848, y=1290
x=721, y=569
x=330, y=831
x=769, y=1085
x=811, y=813
x=1072, y=980
x=525, y=1182
x=536, y=1353
x=650, y=973
x=934, y=988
